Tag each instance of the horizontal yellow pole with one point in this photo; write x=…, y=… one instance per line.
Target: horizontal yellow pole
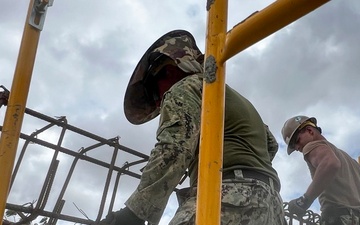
x=16, y=108
x=220, y=46
x=265, y=22
x=212, y=119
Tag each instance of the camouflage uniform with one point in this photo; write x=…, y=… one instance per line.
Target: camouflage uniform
x=244, y=200
x=177, y=136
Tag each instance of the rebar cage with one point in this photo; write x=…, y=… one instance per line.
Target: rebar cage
x=49, y=203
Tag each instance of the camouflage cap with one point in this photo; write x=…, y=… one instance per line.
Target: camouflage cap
x=180, y=46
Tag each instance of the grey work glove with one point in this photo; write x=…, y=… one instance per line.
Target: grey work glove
x=122, y=217
x=299, y=206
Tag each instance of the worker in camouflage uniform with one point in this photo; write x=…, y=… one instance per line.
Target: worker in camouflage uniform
x=168, y=81
x=335, y=175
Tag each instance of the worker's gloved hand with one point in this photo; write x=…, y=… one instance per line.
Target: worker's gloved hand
x=299, y=206
x=122, y=217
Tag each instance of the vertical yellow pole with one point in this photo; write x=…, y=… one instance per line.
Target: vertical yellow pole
x=212, y=120
x=220, y=46
x=16, y=107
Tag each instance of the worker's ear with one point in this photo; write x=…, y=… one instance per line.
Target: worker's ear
x=310, y=129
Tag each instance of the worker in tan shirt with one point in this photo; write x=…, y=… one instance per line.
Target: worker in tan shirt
x=335, y=175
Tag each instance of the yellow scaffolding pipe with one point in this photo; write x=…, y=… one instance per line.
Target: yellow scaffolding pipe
x=212, y=125
x=17, y=101
x=221, y=46
x=265, y=22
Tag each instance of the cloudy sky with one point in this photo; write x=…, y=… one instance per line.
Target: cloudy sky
x=88, y=50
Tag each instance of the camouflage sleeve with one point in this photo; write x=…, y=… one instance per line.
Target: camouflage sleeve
x=177, y=140
x=271, y=143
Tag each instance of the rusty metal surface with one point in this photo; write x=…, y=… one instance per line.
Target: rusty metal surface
x=310, y=217
x=29, y=212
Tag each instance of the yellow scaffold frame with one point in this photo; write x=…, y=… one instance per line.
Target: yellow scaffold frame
x=15, y=110
x=220, y=46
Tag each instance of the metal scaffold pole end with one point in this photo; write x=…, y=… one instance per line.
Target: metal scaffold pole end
x=38, y=13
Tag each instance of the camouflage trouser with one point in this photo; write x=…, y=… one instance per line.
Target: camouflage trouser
x=245, y=201
x=333, y=219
